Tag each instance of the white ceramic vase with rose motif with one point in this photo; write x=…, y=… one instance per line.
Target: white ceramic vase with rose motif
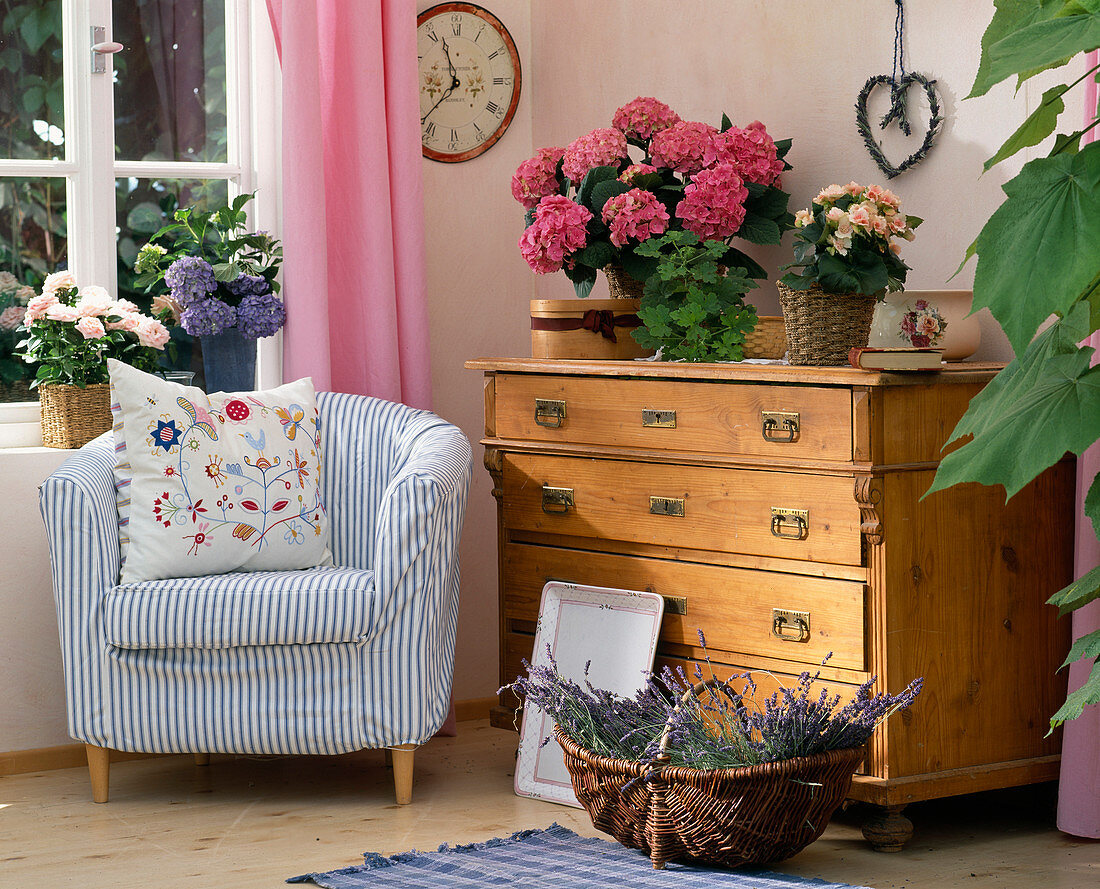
x=958, y=335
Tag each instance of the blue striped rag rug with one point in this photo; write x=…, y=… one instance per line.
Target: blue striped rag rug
x=555, y=858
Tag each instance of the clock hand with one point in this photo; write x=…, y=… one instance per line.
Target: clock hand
x=455, y=82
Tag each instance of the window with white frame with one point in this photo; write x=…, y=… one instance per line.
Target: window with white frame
x=97, y=146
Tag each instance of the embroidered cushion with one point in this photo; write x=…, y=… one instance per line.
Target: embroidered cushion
x=218, y=483
x=241, y=609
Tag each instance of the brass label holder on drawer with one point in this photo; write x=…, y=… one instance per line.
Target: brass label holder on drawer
x=549, y=412
x=675, y=604
x=790, y=524
x=781, y=427
x=658, y=419
x=791, y=626
x=557, y=501
x=673, y=506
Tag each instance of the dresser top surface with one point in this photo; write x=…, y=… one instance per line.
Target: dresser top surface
x=960, y=372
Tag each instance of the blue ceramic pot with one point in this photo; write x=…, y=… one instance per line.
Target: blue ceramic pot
x=229, y=362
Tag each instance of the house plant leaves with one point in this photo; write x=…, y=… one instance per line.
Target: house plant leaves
x=1037, y=253
x=1076, y=701
x=1049, y=405
x=1036, y=128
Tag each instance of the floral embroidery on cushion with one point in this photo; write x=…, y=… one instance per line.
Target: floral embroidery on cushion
x=268, y=490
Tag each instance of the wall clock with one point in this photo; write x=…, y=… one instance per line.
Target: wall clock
x=469, y=80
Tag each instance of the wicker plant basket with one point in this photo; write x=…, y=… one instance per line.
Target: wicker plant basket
x=768, y=339
x=621, y=285
x=71, y=416
x=730, y=817
x=823, y=327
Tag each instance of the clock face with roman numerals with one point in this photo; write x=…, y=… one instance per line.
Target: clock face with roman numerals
x=469, y=80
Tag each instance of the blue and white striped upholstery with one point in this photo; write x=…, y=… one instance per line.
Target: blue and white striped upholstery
x=318, y=661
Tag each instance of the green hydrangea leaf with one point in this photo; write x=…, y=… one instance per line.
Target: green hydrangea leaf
x=602, y=192
x=1039, y=251
x=591, y=179
x=759, y=230
x=1077, y=701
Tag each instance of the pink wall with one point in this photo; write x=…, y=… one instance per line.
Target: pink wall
x=754, y=59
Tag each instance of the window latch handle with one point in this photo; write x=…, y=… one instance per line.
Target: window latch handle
x=102, y=48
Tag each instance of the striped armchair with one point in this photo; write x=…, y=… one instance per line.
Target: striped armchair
x=328, y=660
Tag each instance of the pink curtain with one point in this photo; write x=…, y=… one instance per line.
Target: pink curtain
x=353, y=227
x=1079, y=788
x=353, y=231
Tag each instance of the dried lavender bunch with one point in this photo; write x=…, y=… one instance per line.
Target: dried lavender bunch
x=719, y=728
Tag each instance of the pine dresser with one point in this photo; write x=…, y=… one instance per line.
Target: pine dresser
x=778, y=510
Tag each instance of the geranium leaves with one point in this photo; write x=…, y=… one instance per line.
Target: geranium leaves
x=1037, y=253
x=1047, y=390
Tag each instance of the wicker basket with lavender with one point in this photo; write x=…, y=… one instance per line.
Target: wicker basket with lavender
x=704, y=771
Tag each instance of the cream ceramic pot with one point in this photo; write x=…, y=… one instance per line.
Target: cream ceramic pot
x=961, y=335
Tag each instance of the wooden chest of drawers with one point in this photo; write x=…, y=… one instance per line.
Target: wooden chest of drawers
x=778, y=510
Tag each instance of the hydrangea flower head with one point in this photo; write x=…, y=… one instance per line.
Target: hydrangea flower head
x=752, y=153
x=714, y=203
x=604, y=147
x=208, y=317
x=260, y=315
x=635, y=170
x=191, y=279
x=560, y=228
x=643, y=117
x=635, y=214
x=686, y=147
x=246, y=284
x=537, y=177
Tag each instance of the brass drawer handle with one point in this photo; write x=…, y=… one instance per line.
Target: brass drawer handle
x=791, y=626
x=673, y=506
x=549, y=412
x=790, y=524
x=658, y=419
x=556, y=501
x=781, y=427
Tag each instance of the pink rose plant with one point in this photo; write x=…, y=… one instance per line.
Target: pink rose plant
x=845, y=242
x=71, y=332
x=12, y=317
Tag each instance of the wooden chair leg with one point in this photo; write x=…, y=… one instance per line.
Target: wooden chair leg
x=202, y=759
x=403, y=772
x=99, y=770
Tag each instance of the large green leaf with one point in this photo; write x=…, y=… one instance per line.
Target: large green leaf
x=759, y=230
x=1038, y=39
x=1092, y=504
x=1032, y=427
x=1011, y=16
x=604, y=191
x=591, y=179
x=1082, y=591
x=860, y=272
x=1036, y=128
x=1075, y=704
x=1040, y=250
x=1088, y=646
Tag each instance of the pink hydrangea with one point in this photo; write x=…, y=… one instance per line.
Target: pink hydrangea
x=560, y=227
x=634, y=170
x=90, y=328
x=635, y=214
x=686, y=147
x=11, y=317
x=537, y=177
x=643, y=117
x=752, y=153
x=604, y=147
x=714, y=203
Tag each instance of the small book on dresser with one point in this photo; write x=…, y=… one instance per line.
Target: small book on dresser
x=895, y=359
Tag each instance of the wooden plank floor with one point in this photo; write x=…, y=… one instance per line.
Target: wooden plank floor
x=249, y=823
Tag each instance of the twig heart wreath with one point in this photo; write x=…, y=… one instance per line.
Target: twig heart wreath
x=899, y=112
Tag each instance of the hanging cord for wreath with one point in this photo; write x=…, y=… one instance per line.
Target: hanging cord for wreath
x=899, y=81
x=898, y=108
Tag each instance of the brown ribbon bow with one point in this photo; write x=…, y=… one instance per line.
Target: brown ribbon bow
x=598, y=321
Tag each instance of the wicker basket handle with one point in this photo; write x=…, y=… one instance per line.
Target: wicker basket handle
x=694, y=691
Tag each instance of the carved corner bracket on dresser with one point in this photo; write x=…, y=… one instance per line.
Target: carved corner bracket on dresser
x=780, y=508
